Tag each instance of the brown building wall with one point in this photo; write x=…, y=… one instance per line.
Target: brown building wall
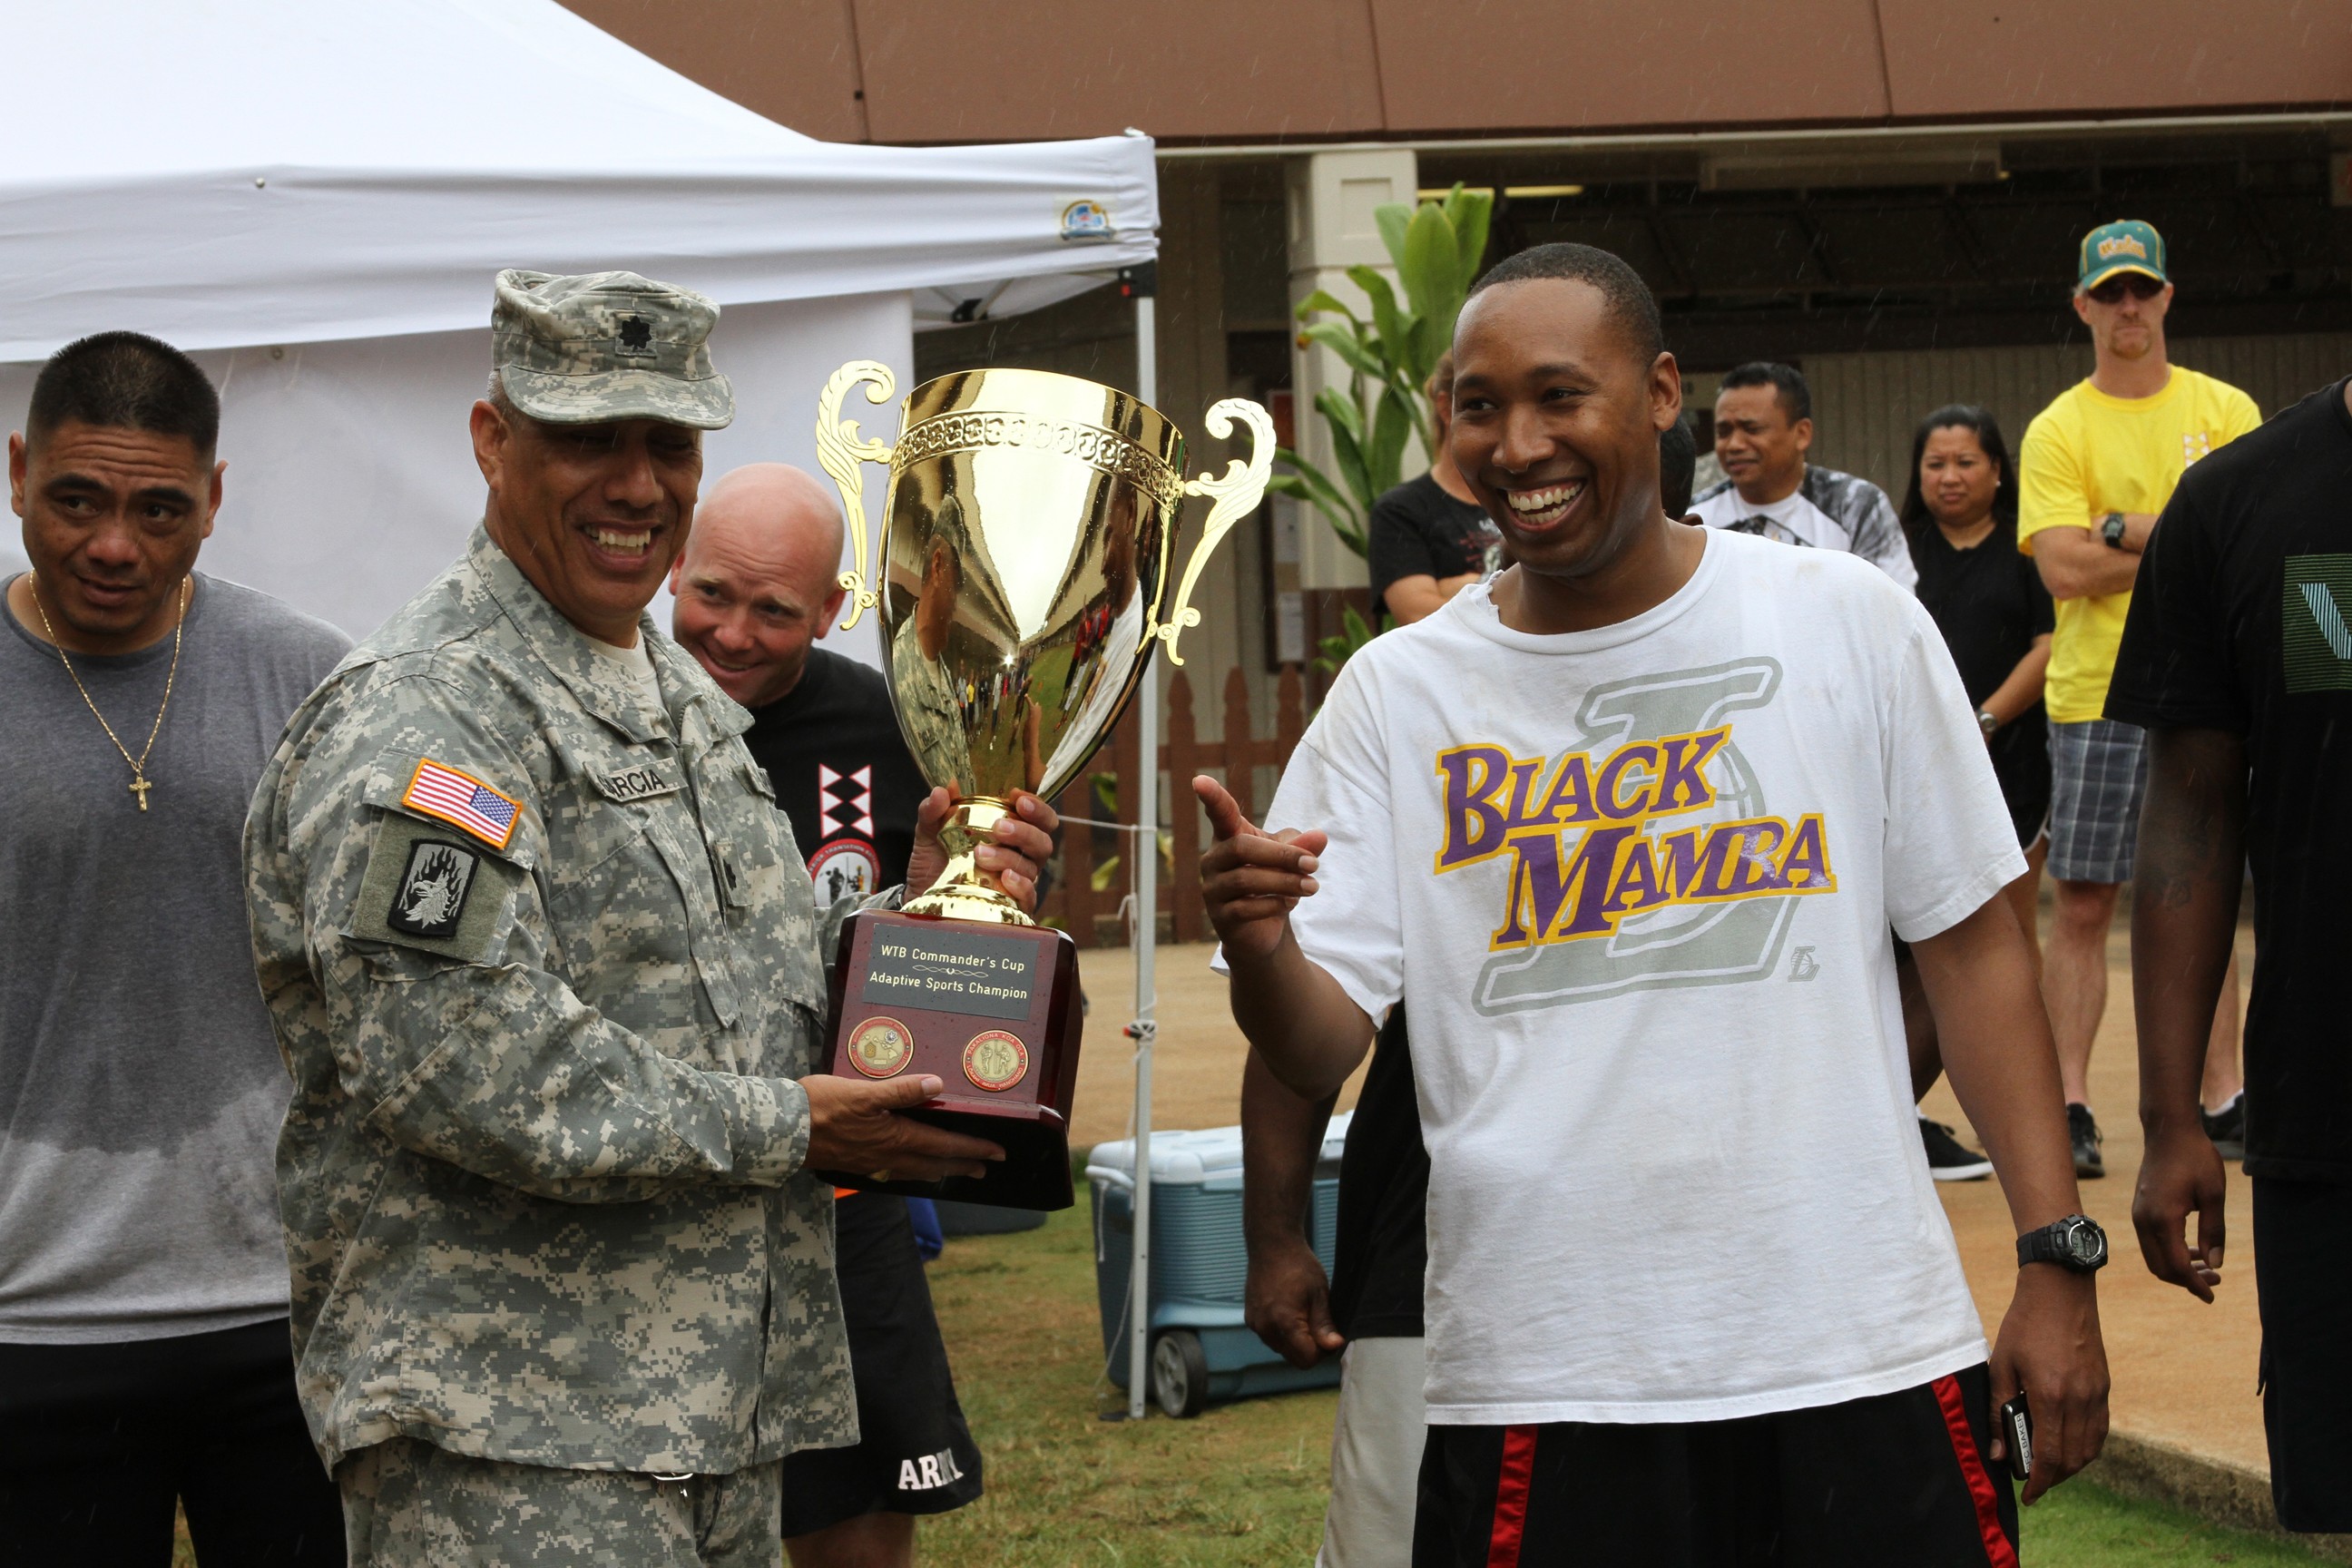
x=1482, y=65
x=2027, y=57
x=1182, y=69
x=793, y=62
x=1308, y=70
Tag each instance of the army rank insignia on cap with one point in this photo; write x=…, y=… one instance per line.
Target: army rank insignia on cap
x=463, y=801
x=432, y=891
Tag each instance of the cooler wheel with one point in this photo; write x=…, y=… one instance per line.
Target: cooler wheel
x=1179, y=1374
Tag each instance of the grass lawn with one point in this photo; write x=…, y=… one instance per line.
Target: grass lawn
x=1243, y=1484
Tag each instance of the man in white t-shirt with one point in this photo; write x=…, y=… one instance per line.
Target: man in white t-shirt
x=1763, y=429
x=1648, y=805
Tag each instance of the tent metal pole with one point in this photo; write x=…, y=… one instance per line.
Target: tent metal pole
x=1145, y=848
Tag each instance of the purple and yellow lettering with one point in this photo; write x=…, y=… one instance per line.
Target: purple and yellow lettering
x=1473, y=775
x=1548, y=885
x=1681, y=784
x=1636, y=887
x=1612, y=773
x=1592, y=871
x=1693, y=863
x=1514, y=933
x=1751, y=857
x=1805, y=865
x=1569, y=799
x=1526, y=779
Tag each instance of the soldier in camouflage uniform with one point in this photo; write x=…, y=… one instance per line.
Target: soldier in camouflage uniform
x=542, y=957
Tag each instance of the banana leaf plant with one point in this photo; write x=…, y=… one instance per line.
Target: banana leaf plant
x=1353, y=634
x=1437, y=247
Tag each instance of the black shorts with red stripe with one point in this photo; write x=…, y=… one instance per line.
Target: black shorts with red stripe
x=1901, y=1477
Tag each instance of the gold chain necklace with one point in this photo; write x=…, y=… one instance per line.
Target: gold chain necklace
x=139, y=784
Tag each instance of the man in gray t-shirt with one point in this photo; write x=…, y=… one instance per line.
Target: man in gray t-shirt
x=144, y=1353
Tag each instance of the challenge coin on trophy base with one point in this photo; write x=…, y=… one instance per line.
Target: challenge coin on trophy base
x=1020, y=579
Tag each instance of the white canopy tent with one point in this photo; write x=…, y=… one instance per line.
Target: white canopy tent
x=314, y=199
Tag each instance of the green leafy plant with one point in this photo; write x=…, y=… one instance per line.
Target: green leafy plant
x=1437, y=247
x=1353, y=634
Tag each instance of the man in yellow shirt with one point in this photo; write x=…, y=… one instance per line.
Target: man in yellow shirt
x=2096, y=468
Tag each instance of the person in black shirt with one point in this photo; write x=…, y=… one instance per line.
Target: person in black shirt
x=1960, y=517
x=1426, y=540
x=1990, y=606
x=1369, y=1308
x=755, y=589
x=2237, y=661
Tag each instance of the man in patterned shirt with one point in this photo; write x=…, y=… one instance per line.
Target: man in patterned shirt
x=1763, y=428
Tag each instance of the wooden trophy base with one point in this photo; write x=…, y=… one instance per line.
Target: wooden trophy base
x=992, y=1011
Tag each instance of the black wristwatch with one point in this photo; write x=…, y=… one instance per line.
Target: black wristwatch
x=2075, y=1244
x=2111, y=529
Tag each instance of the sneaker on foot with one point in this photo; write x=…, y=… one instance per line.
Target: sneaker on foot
x=1947, y=1161
x=2227, y=1128
x=2083, y=1128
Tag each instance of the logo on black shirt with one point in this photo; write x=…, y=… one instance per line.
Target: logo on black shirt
x=2314, y=642
x=843, y=866
x=846, y=800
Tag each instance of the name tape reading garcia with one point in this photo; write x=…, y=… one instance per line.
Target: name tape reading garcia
x=951, y=972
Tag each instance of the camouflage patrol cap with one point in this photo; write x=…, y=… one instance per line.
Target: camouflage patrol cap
x=608, y=345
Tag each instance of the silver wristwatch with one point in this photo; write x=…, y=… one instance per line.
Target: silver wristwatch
x=1985, y=722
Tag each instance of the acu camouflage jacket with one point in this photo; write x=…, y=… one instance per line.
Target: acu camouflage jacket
x=544, y=963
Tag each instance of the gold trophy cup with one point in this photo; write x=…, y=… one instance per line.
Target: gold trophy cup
x=1020, y=579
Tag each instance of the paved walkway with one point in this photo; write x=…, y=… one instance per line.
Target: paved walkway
x=2184, y=1372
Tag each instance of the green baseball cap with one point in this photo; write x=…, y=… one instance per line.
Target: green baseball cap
x=605, y=346
x=2128, y=245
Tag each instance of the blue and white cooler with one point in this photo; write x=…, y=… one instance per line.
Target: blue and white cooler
x=1201, y=1347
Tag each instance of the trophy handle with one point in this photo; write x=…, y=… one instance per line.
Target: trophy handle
x=1234, y=498
x=844, y=455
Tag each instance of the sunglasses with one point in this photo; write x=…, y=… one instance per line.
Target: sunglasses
x=2138, y=285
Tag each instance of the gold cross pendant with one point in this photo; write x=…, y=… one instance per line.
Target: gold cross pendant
x=140, y=787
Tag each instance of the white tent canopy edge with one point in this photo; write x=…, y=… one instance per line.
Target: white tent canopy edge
x=359, y=171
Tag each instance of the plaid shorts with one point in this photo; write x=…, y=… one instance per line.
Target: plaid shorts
x=2099, y=772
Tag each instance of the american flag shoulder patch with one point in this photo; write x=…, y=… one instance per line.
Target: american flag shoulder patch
x=463, y=801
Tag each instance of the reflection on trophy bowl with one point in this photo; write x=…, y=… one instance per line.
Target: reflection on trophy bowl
x=1025, y=541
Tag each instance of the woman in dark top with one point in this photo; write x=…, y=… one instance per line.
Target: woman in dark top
x=1960, y=517
x=1426, y=540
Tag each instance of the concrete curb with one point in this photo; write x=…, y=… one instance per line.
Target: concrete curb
x=2213, y=1489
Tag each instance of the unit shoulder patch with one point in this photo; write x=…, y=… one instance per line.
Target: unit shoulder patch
x=431, y=897
x=428, y=887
